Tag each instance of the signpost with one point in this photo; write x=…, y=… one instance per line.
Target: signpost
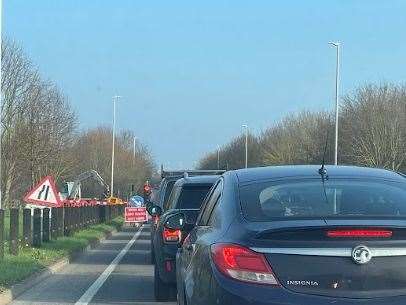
x=135, y=215
x=44, y=194
x=136, y=201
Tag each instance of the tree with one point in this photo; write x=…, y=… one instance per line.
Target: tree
x=374, y=126
x=39, y=135
x=372, y=132
x=37, y=125
x=92, y=150
x=298, y=139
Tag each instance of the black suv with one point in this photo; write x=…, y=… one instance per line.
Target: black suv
x=168, y=180
x=187, y=196
x=165, y=189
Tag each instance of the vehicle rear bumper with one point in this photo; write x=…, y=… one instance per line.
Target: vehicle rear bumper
x=228, y=291
x=168, y=251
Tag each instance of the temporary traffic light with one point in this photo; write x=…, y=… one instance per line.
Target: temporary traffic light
x=147, y=189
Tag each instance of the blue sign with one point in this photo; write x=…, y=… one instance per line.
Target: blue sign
x=136, y=201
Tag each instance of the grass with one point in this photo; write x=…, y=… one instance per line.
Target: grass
x=14, y=269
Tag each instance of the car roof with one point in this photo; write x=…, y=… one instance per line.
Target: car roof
x=205, y=179
x=291, y=171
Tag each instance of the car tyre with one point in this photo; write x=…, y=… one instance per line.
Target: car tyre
x=163, y=291
x=152, y=255
x=181, y=298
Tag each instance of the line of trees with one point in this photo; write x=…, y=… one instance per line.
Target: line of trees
x=40, y=135
x=92, y=149
x=372, y=132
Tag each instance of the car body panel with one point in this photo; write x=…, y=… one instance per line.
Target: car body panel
x=304, y=279
x=165, y=253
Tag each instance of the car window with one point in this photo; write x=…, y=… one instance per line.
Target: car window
x=191, y=196
x=172, y=197
x=335, y=198
x=168, y=190
x=203, y=220
x=212, y=212
x=207, y=200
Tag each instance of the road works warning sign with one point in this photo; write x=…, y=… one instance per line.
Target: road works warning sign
x=135, y=214
x=44, y=193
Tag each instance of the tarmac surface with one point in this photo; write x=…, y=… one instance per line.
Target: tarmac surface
x=118, y=271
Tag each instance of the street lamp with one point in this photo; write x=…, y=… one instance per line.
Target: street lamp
x=337, y=45
x=1, y=94
x=115, y=100
x=246, y=144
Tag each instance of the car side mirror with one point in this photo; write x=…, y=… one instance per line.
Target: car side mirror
x=154, y=210
x=149, y=205
x=176, y=221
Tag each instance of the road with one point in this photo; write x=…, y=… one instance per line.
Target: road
x=99, y=277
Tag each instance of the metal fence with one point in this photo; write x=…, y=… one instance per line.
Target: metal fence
x=32, y=227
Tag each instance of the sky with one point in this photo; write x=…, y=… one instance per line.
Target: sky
x=190, y=73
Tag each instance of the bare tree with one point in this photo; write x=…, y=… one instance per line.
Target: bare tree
x=374, y=126
x=372, y=133
x=93, y=151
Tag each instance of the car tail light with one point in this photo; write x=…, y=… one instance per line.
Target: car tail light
x=242, y=264
x=172, y=236
x=361, y=233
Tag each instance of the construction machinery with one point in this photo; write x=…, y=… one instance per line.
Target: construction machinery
x=73, y=188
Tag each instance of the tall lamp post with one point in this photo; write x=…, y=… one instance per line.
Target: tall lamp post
x=115, y=100
x=1, y=93
x=245, y=126
x=337, y=45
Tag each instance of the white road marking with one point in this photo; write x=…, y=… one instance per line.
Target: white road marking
x=87, y=297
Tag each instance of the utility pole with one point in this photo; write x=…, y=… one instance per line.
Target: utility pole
x=115, y=99
x=246, y=144
x=337, y=45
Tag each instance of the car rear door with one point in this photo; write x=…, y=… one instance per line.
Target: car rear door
x=196, y=249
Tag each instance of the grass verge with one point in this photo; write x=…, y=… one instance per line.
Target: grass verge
x=14, y=269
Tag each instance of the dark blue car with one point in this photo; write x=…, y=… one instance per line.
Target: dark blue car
x=297, y=235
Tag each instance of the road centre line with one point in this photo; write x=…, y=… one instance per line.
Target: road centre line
x=87, y=297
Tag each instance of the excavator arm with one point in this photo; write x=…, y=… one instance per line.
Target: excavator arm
x=84, y=176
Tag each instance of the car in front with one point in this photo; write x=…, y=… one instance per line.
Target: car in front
x=187, y=196
x=297, y=235
x=169, y=177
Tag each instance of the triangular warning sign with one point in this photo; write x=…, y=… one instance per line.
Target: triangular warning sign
x=44, y=193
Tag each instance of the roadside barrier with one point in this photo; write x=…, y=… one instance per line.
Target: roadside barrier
x=14, y=226
x=32, y=227
x=45, y=225
x=54, y=223
x=27, y=229
x=36, y=235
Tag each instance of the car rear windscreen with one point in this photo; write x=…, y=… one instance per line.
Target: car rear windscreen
x=312, y=198
x=192, y=196
x=168, y=190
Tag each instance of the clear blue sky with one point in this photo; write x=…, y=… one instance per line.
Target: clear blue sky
x=191, y=72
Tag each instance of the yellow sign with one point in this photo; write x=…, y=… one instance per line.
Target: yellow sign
x=114, y=200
